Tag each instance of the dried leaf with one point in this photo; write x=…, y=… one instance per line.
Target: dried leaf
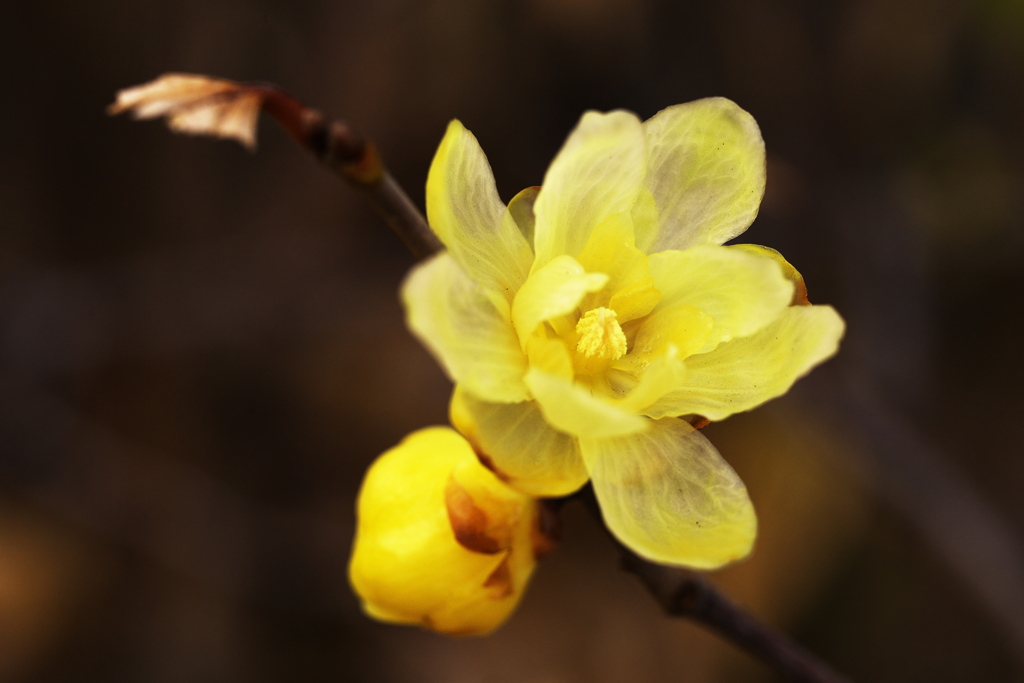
x=473, y=529
x=196, y=105
x=500, y=581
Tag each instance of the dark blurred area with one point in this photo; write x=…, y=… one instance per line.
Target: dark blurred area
x=201, y=350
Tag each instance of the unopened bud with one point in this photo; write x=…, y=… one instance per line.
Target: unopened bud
x=441, y=541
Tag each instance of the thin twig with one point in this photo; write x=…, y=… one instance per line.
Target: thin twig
x=199, y=105
x=348, y=153
x=686, y=594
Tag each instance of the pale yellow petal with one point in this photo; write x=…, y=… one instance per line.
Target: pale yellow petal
x=466, y=329
x=464, y=209
x=598, y=172
x=654, y=366
x=524, y=450
x=740, y=290
x=610, y=250
x=680, y=330
x=520, y=210
x=669, y=496
x=790, y=273
x=630, y=291
x=744, y=373
x=660, y=375
x=553, y=291
x=550, y=355
x=573, y=409
x=635, y=300
x=706, y=175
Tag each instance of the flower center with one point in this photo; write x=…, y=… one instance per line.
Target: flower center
x=600, y=336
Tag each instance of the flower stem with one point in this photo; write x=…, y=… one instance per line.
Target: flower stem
x=683, y=593
x=348, y=153
x=687, y=594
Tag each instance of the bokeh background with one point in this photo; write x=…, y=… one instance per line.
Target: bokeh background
x=201, y=350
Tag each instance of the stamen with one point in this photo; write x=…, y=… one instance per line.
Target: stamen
x=600, y=335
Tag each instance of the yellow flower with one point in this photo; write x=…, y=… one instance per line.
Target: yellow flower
x=440, y=540
x=580, y=321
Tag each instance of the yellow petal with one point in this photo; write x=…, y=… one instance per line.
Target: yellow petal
x=598, y=172
x=550, y=292
x=520, y=210
x=465, y=329
x=550, y=355
x=659, y=376
x=706, y=175
x=790, y=273
x=423, y=506
x=654, y=367
x=684, y=328
x=610, y=250
x=573, y=409
x=670, y=497
x=464, y=209
x=630, y=290
x=741, y=291
x=746, y=372
x=530, y=455
x=635, y=300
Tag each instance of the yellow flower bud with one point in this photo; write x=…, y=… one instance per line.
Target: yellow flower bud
x=441, y=541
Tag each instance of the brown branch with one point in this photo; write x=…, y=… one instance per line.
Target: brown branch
x=686, y=594
x=346, y=152
x=200, y=105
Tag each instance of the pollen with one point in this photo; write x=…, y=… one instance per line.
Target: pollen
x=600, y=335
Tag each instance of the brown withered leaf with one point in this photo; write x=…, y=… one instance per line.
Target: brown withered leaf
x=546, y=531
x=197, y=105
x=473, y=529
x=500, y=581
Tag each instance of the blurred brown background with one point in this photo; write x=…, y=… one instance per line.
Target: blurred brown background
x=201, y=350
